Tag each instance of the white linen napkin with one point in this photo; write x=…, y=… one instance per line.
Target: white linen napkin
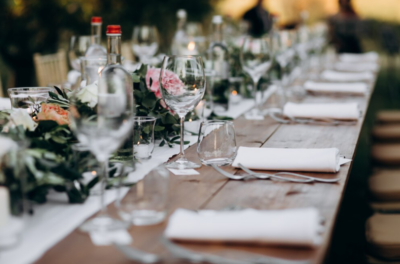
x=346, y=76
x=5, y=103
x=364, y=57
x=285, y=159
x=356, y=66
x=327, y=87
x=342, y=111
x=294, y=227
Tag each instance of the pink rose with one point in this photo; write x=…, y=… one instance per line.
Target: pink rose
x=170, y=82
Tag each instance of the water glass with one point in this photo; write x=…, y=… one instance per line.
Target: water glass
x=143, y=136
x=91, y=68
x=29, y=98
x=146, y=202
x=216, y=144
x=145, y=42
x=77, y=48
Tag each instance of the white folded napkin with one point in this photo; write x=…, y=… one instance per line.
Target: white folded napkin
x=342, y=111
x=5, y=103
x=356, y=67
x=285, y=159
x=364, y=57
x=328, y=87
x=294, y=227
x=346, y=76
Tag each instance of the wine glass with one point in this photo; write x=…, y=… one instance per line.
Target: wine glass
x=104, y=128
x=182, y=86
x=77, y=48
x=145, y=42
x=256, y=58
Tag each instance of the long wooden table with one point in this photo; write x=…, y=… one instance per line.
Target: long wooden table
x=210, y=190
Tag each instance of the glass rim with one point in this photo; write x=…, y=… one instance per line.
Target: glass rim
x=183, y=56
x=93, y=58
x=34, y=88
x=144, y=118
x=217, y=122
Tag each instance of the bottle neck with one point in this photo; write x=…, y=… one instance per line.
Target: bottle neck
x=114, y=49
x=181, y=24
x=217, y=33
x=96, y=34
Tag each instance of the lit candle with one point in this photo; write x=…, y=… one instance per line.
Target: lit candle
x=142, y=151
x=4, y=206
x=191, y=49
x=234, y=97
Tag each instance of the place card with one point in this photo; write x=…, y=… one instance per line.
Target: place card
x=105, y=238
x=184, y=172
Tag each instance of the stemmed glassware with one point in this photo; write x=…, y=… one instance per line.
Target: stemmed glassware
x=182, y=86
x=256, y=58
x=77, y=48
x=103, y=129
x=145, y=42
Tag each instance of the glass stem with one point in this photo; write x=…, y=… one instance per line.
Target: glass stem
x=182, y=154
x=256, y=107
x=103, y=182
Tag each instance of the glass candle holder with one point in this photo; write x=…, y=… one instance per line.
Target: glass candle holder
x=91, y=68
x=235, y=84
x=216, y=144
x=29, y=98
x=143, y=137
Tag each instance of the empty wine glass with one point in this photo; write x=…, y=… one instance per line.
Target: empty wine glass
x=182, y=86
x=145, y=42
x=77, y=48
x=103, y=128
x=256, y=58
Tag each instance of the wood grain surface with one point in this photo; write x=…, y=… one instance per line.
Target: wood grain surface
x=210, y=190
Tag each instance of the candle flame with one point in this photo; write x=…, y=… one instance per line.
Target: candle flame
x=190, y=120
x=234, y=92
x=191, y=46
x=94, y=173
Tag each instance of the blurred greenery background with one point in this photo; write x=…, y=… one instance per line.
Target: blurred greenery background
x=29, y=26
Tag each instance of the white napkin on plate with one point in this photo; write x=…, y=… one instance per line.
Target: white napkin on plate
x=356, y=66
x=5, y=103
x=364, y=57
x=342, y=111
x=328, y=87
x=292, y=227
x=346, y=76
x=286, y=159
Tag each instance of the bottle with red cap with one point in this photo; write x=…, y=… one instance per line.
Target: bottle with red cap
x=114, y=77
x=95, y=49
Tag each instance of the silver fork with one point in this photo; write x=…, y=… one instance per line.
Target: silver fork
x=253, y=174
x=308, y=178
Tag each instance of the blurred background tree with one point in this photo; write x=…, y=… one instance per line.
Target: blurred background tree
x=29, y=26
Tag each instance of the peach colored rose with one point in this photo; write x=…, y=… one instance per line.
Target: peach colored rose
x=170, y=82
x=53, y=112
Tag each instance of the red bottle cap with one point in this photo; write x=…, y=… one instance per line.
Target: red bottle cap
x=113, y=29
x=97, y=20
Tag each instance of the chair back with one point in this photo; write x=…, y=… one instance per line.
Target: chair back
x=51, y=69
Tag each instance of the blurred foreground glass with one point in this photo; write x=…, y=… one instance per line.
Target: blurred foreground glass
x=103, y=128
x=145, y=42
x=256, y=58
x=91, y=68
x=29, y=98
x=146, y=202
x=14, y=206
x=216, y=144
x=143, y=137
x=77, y=48
x=182, y=86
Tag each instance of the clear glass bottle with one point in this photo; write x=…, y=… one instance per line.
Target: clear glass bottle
x=95, y=49
x=180, y=37
x=113, y=75
x=218, y=61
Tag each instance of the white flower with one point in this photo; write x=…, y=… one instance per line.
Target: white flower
x=89, y=94
x=20, y=117
x=7, y=144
